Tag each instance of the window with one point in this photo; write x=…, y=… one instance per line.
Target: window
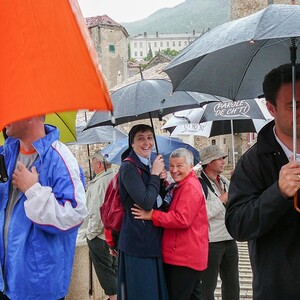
x=149, y=45
x=155, y=44
x=135, y=44
x=141, y=53
x=168, y=44
x=224, y=141
x=141, y=45
x=174, y=44
x=161, y=44
x=213, y=141
x=111, y=48
x=179, y=43
x=135, y=53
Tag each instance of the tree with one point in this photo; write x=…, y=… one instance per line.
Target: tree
x=149, y=55
x=170, y=52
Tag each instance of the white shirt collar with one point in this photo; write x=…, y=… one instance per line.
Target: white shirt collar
x=145, y=161
x=289, y=153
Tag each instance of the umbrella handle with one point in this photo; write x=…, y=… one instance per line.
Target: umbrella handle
x=296, y=203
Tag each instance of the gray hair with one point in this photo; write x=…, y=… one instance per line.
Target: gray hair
x=183, y=152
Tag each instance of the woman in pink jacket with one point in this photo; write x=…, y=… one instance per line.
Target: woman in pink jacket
x=185, y=236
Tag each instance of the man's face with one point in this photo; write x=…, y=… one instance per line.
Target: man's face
x=96, y=165
x=283, y=112
x=143, y=143
x=17, y=129
x=179, y=168
x=217, y=165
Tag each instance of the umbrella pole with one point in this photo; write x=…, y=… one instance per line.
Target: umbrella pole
x=232, y=144
x=293, y=60
x=155, y=141
x=88, y=152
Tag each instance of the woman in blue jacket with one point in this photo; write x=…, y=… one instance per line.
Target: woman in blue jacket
x=140, y=265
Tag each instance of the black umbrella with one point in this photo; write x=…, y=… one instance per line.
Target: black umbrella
x=232, y=59
x=136, y=100
x=147, y=98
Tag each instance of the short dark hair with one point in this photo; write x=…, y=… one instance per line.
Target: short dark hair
x=138, y=128
x=276, y=78
x=132, y=133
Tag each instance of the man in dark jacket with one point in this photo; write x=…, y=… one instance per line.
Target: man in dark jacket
x=260, y=208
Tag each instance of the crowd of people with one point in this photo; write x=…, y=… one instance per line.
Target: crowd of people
x=176, y=237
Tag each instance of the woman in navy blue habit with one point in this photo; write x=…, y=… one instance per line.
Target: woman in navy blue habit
x=141, y=274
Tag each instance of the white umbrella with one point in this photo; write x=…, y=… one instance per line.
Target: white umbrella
x=226, y=117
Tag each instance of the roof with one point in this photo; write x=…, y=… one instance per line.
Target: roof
x=155, y=72
x=166, y=36
x=103, y=20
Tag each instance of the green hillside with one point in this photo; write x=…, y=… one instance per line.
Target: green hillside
x=185, y=17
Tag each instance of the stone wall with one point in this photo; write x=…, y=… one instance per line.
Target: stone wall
x=242, y=8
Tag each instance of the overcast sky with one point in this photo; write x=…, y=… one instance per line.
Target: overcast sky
x=124, y=10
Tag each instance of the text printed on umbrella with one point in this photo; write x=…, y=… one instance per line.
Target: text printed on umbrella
x=231, y=109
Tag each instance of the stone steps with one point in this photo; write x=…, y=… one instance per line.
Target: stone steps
x=245, y=274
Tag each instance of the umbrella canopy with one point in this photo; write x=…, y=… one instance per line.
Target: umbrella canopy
x=166, y=145
x=103, y=134
x=214, y=128
x=135, y=101
x=64, y=121
x=47, y=60
x=226, y=117
x=232, y=59
x=222, y=111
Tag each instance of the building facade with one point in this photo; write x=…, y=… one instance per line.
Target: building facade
x=142, y=44
x=111, y=43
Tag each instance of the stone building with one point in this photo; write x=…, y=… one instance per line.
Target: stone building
x=111, y=43
x=242, y=8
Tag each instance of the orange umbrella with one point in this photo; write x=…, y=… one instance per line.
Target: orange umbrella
x=48, y=63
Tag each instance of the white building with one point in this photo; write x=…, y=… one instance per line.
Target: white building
x=140, y=45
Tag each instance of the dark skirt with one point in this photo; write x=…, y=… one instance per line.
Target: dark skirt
x=141, y=278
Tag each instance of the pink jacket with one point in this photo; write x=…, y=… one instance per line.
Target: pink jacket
x=185, y=236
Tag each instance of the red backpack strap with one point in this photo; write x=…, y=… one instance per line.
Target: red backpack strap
x=132, y=161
